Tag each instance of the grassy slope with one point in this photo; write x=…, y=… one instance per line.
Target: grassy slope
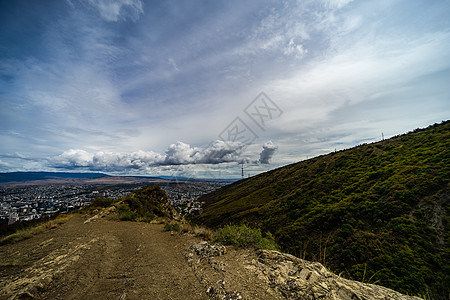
x=376, y=213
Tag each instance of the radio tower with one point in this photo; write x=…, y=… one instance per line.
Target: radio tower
x=242, y=169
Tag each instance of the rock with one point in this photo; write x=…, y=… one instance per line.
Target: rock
x=281, y=276
x=296, y=278
x=211, y=291
x=233, y=295
x=123, y=296
x=203, y=254
x=207, y=250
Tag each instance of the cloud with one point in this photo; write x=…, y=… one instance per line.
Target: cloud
x=221, y=151
x=337, y=3
x=178, y=153
x=88, y=78
x=18, y=156
x=269, y=149
x=4, y=165
x=105, y=161
x=115, y=10
x=295, y=49
x=216, y=153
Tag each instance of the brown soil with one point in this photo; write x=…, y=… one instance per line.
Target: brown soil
x=101, y=259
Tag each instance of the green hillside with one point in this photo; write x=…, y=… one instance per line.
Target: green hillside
x=375, y=213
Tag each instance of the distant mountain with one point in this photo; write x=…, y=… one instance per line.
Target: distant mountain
x=28, y=176
x=375, y=213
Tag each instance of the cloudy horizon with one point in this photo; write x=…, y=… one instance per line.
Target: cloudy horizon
x=196, y=88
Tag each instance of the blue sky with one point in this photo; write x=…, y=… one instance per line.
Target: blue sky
x=156, y=87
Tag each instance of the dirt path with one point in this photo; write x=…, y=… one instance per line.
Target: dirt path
x=97, y=258
x=100, y=259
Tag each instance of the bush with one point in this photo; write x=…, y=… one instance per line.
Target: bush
x=125, y=214
x=172, y=227
x=100, y=202
x=243, y=236
x=143, y=205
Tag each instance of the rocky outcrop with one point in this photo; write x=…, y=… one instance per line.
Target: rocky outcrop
x=205, y=252
x=274, y=275
x=300, y=279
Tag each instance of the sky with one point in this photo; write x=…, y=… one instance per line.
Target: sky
x=199, y=88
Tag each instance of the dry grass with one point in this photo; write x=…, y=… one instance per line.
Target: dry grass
x=26, y=233
x=206, y=233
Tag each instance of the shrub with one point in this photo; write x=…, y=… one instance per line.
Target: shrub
x=243, y=236
x=143, y=205
x=172, y=227
x=204, y=232
x=100, y=202
x=125, y=214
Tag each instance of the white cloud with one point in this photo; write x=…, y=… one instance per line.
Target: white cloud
x=4, y=165
x=172, y=62
x=177, y=154
x=106, y=161
x=115, y=10
x=297, y=50
x=337, y=3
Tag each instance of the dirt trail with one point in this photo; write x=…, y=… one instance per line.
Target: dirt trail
x=100, y=259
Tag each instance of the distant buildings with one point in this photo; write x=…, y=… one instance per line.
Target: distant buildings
x=33, y=202
x=27, y=203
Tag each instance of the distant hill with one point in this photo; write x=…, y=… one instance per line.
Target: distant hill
x=375, y=213
x=28, y=176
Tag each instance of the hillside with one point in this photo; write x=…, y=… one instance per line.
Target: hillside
x=376, y=213
x=93, y=255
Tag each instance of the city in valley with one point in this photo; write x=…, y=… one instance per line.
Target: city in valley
x=31, y=202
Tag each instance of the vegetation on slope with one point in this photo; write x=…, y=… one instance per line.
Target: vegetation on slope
x=243, y=236
x=34, y=228
x=145, y=205
x=374, y=213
